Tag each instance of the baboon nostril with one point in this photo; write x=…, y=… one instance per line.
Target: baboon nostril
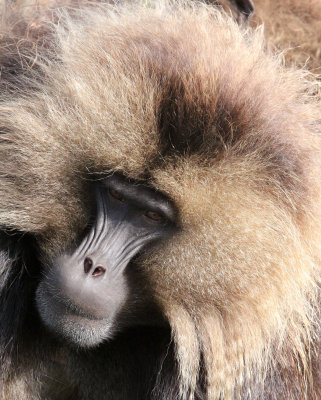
x=98, y=271
x=88, y=263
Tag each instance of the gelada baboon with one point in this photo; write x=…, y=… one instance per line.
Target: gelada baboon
x=160, y=210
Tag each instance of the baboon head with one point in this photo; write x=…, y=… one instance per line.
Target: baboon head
x=169, y=170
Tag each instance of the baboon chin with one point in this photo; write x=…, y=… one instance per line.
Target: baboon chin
x=159, y=208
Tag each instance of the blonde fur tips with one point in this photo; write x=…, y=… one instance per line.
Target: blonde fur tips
x=180, y=96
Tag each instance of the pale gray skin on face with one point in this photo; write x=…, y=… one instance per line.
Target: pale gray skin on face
x=86, y=289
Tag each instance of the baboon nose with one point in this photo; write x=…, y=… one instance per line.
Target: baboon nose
x=88, y=265
x=98, y=271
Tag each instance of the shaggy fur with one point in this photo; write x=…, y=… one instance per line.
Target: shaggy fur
x=293, y=26
x=180, y=96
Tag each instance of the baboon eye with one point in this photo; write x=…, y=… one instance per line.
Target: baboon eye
x=116, y=195
x=154, y=216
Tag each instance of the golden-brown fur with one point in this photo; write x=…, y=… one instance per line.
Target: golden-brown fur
x=183, y=98
x=293, y=26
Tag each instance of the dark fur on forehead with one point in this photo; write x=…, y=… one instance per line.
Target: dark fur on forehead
x=181, y=96
x=172, y=87
x=198, y=112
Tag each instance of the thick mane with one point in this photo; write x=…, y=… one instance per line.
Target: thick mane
x=180, y=95
x=293, y=26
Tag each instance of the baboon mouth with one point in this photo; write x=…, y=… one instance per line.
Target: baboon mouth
x=63, y=305
x=73, y=309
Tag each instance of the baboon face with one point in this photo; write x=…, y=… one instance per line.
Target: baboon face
x=170, y=173
x=85, y=289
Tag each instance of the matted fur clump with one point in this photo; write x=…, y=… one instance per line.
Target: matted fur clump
x=182, y=97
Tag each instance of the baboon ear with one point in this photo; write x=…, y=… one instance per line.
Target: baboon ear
x=18, y=265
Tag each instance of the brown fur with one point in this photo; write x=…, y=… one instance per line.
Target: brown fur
x=293, y=26
x=183, y=98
